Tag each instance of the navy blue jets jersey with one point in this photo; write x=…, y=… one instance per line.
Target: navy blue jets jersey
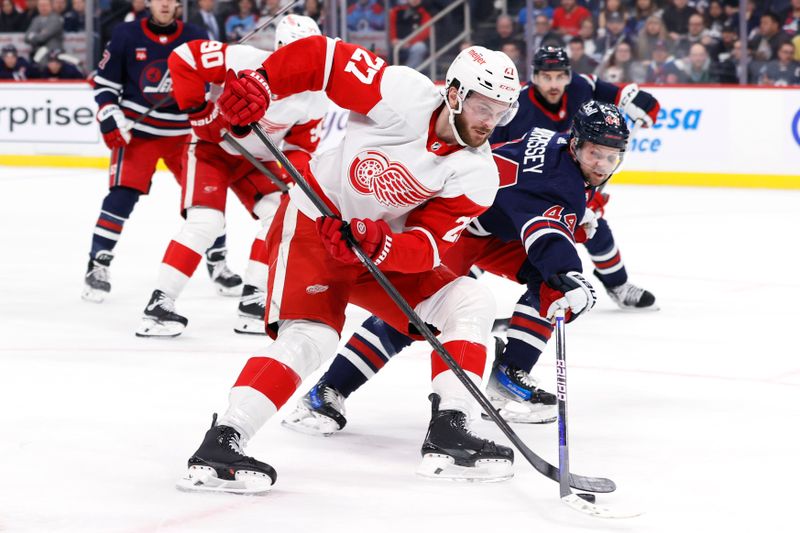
x=531, y=113
x=133, y=74
x=541, y=201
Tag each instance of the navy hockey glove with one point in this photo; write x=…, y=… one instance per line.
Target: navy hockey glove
x=570, y=292
x=638, y=104
x=114, y=126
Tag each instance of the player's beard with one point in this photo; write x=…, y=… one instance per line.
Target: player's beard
x=469, y=137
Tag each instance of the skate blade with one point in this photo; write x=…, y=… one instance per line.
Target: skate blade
x=250, y=326
x=577, y=503
x=437, y=466
x=153, y=328
x=310, y=423
x=204, y=479
x=523, y=412
x=93, y=295
x=229, y=291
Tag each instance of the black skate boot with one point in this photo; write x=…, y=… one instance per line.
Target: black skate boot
x=225, y=280
x=160, y=318
x=252, y=308
x=629, y=297
x=319, y=412
x=219, y=465
x=96, y=284
x=451, y=451
x=516, y=395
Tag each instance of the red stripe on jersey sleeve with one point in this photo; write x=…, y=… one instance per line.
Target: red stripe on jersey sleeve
x=443, y=219
x=354, y=80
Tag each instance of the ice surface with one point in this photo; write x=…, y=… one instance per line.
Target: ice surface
x=693, y=410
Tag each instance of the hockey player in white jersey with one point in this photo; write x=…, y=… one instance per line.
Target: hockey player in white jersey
x=213, y=166
x=412, y=172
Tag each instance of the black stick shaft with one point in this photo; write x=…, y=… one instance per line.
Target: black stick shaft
x=255, y=162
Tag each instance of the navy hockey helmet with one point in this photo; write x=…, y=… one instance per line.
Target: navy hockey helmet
x=603, y=126
x=550, y=58
x=600, y=123
x=8, y=49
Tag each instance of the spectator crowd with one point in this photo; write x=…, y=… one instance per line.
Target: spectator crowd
x=644, y=41
x=662, y=41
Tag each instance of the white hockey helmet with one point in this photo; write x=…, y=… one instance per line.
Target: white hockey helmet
x=485, y=72
x=294, y=27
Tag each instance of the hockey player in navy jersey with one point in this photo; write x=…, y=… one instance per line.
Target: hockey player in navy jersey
x=550, y=101
x=527, y=235
x=132, y=77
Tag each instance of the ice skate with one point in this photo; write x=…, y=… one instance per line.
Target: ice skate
x=220, y=465
x=451, y=451
x=319, y=412
x=517, y=397
x=226, y=281
x=629, y=297
x=160, y=318
x=252, y=308
x=96, y=284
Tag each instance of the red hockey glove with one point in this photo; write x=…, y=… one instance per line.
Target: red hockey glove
x=639, y=105
x=245, y=98
x=374, y=237
x=208, y=123
x=114, y=126
x=570, y=292
x=597, y=203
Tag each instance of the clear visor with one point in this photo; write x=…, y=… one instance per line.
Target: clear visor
x=488, y=111
x=598, y=162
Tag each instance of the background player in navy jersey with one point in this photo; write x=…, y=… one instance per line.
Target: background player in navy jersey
x=527, y=235
x=131, y=77
x=550, y=101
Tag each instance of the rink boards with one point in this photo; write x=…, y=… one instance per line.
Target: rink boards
x=705, y=135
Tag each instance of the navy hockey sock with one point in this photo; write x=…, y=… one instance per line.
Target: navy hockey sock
x=219, y=245
x=117, y=207
x=370, y=347
x=609, y=268
x=527, y=333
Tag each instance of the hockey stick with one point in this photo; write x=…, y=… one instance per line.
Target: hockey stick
x=592, y=484
x=255, y=162
x=246, y=37
x=583, y=503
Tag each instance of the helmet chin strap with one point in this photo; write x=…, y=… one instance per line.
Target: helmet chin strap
x=452, y=118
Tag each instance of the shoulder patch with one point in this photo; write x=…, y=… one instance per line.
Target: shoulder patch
x=507, y=169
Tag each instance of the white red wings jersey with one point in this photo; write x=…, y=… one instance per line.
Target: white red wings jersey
x=390, y=164
x=293, y=119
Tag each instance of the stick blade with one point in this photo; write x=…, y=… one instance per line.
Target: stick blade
x=591, y=484
x=577, y=503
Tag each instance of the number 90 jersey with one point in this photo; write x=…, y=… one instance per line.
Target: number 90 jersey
x=390, y=164
x=293, y=119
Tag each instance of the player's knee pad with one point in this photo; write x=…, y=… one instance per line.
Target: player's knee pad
x=303, y=345
x=464, y=309
x=265, y=208
x=120, y=201
x=202, y=227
